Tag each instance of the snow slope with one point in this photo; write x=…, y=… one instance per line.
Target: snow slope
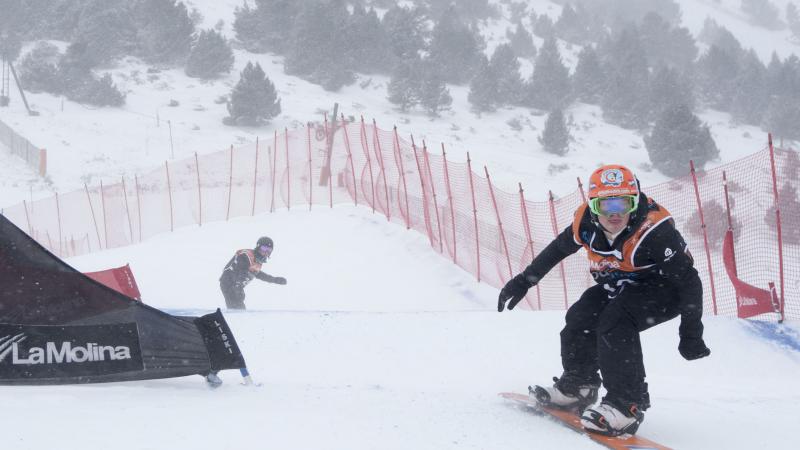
x=86, y=144
x=377, y=342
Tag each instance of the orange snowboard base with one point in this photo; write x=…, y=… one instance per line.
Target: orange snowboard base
x=573, y=422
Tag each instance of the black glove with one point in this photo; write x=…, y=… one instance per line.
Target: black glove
x=693, y=348
x=514, y=291
x=279, y=280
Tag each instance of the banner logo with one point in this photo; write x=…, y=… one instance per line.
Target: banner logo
x=47, y=351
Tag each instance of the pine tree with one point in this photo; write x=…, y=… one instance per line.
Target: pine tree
x=505, y=66
x=165, y=30
x=39, y=68
x=211, y=56
x=99, y=92
x=625, y=98
x=455, y=48
x=783, y=117
x=267, y=26
x=107, y=29
x=572, y=26
x=549, y=87
x=369, y=43
x=665, y=45
x=667, y=90
x=716, y=72
x=403, y=88
x=318, y=49
x=543, y=26
x=555, y=137
x=521, y=42
x=483, y=88
x=433, y=93
x=254, y=100
x=750, y=98
x=589, y=81
x=677, y=137
x=407, y=30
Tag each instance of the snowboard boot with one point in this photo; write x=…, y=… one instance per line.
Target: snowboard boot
x=609, y=419
x=567, y=393
x=213, y=380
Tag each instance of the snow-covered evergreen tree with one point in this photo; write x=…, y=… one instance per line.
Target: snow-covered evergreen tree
x=165, y=30
x=455, y=48
x=433, y=93
x=521, y=42
x=678, y=136
x=666, y=45
x=625, y=98
x=106, y=28
x=589, y=80
x=210, y=57
x=407, y=30
x=549, y=86
x=369, y=44
x=667, y=90
x=403, y=88
x=793, y=19
x=509, y=84
x=750, y=95
x=483, y=88
x=555, y=137
x=39, y=68
x=254, y=100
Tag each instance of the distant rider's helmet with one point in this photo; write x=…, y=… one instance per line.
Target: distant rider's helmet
x=264, y=248
x=613, y=189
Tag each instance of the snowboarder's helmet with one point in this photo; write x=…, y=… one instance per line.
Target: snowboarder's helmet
x=613, y=189
x=264, y=247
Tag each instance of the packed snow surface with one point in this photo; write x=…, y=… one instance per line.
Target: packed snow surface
x=379, y=342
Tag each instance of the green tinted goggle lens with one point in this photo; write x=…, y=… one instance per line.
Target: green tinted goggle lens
x=607, y=206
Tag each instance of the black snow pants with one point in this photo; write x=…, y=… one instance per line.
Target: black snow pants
x=232, y=291
x=603, y=333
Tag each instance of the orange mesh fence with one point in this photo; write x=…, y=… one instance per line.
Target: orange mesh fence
x=489, y=231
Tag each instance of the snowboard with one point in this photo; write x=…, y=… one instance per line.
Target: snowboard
x=573, y=422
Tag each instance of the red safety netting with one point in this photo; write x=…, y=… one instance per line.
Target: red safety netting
x=488, y=231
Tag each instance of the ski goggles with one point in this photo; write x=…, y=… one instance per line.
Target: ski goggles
x=607, y=206
x=265, y=250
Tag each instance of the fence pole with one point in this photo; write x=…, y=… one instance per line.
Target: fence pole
x=705, y=236
x=255, y=181
x=274, y=169
x=329, y=152
x=365, y=148
x=526, y=224
x=127, y=208
x=350, y=160
x=730, y=220
x=475, y=216
x=580, y=189
x=169, y=191
x=199, y=191
x=310, y=181
x=433, y=193
x=777, y=220
x=58, y=213
x=554, y=222
x=138, y=205
x=105, y=217
x=450, y=198
x=288, y=170
x=230, y=186
x=399, y=158
x=425, y=213
x=499, y=222
x=94, y=218
x=379, y=151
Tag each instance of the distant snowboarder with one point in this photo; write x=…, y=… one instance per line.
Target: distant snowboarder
x=645, y=276
x=242, y=268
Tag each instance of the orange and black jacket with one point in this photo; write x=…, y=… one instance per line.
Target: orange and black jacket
x=242, y=268
x=649, y=251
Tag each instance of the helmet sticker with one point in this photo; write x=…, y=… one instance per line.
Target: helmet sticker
x=612, y=177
